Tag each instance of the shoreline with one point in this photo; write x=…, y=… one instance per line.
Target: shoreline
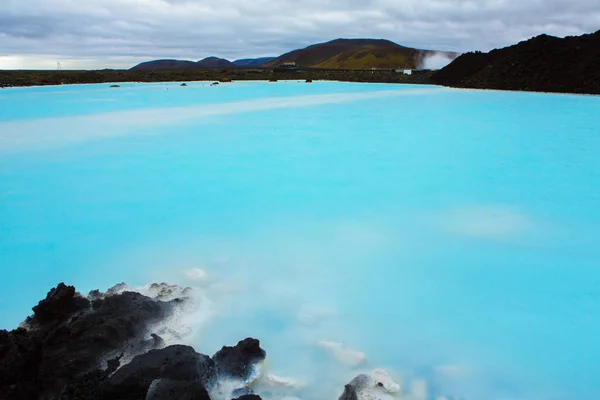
x=32, y=78
x=477, y=89
x=57, y=78
x=178, y=83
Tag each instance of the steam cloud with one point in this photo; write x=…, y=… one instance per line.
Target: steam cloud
x=437, y=60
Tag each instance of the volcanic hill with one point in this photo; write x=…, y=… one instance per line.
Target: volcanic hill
x=543, y=63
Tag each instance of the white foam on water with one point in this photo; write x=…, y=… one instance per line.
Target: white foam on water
x=418, y=390
x=271, y=386
x=342, y=353
x=196, y=275
x=226, y=386
x=274, y=380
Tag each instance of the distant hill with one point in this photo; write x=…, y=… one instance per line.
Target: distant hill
x=165, y=64
x=543, y=63
x=208, y=62
x=252, y=62
x=214, y=62
x=336, y=54
x=357, y=54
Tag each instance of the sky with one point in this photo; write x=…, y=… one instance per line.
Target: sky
x=95, y=34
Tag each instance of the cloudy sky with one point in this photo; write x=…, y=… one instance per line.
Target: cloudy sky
x=120, y=33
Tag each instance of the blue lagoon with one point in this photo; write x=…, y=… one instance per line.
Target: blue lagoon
x=449, y=237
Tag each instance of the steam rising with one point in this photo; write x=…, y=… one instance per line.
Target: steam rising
x=437, y=60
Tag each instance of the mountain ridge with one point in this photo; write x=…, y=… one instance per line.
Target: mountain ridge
x=358, y=54
x=208, y=62
x=252, y=62
x=335, y=54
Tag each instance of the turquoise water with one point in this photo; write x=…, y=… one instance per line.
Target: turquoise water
x=451, y=236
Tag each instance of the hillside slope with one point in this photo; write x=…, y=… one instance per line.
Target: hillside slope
x=214, y=62
x=208, y=62
x=356, y=54
x=543, y=63
x=252, y=62
x=360, y=54
x=165, y=64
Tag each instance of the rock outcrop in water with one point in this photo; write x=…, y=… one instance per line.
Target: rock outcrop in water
x=108, y=346
x=376, y=386
x=73, y=347
x=543, y=63
x=239, y=361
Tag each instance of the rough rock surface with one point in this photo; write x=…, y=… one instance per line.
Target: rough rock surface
x=349, y=393
x=239, y=361
x=68, y=335
x=167, y=389
x=243, y=391
x=176, y=363
x=71, y=344
x=376, y=386
x=102, y=347
x=543, y=63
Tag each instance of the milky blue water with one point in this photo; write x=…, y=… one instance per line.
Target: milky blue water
x=451, y=236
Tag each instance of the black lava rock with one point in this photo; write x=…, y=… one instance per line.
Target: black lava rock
x=176, y=363
x=168, y=389
x=67, y=338
x=73, y=348
x=238, y=361
x=60, y=302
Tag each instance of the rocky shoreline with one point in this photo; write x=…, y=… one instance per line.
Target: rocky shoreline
x=106, y=346
x=110, y=345
x=43, y=78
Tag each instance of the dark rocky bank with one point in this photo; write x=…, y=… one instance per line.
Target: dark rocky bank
x=543, y=63
x=103, y=347
x=42, y=78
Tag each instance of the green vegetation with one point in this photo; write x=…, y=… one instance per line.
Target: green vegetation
x=368, y=60
x=362, y=54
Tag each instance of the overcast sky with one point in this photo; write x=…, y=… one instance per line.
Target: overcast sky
x=120, y=33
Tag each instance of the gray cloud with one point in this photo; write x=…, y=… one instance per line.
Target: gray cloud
x=117, y=33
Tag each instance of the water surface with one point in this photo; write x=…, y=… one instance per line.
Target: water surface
x=451, y=236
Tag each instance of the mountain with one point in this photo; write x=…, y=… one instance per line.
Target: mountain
x=336, y=54
x=208, y=62
x=214, y=62
x=357, y=54
x=252, y=62
x=165, y=64
x=543, y=63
